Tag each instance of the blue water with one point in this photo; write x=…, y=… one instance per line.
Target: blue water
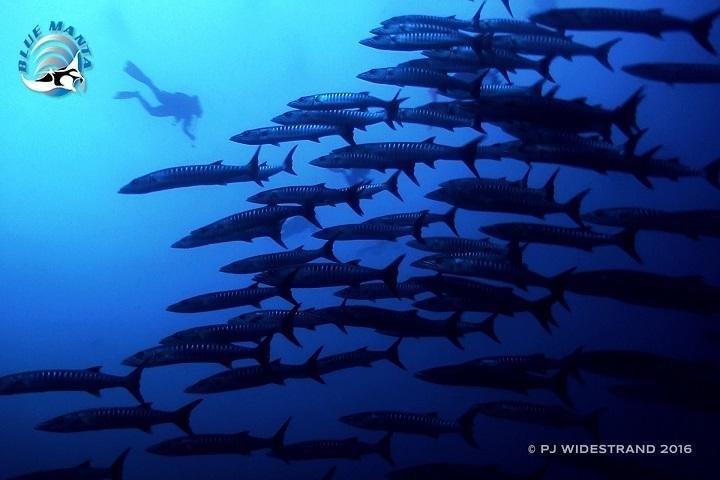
x=87, y=273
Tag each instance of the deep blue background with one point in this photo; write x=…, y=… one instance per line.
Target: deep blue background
x=87, y=273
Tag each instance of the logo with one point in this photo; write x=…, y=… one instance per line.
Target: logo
x=53, y=63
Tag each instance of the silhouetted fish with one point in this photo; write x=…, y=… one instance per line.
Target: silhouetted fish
x=90, y=380
x=142, y=417
x=83, y=471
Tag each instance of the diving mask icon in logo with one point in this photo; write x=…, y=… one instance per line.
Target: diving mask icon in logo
x=53, y=63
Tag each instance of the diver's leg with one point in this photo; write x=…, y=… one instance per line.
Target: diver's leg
x=124, y=94
x=186, y=127
x=135, y=72
x=159, y=111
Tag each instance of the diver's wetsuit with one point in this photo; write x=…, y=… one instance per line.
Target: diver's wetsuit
x=179, y=105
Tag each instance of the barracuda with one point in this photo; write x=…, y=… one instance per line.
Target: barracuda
x=429, y=424
x=317, y=275
x=580, y=238
x=142, y=417
x=359, y=119
x=691, y=223
x=345, y=100
x=90, y=380
x=241, y=443
x=315, y=195
x=547, y=46
x=292, y=133
x=215, y=173
x=245, y=226
x=222, y=353
x=271, y=261
x=653, y=22
x=427, y=151
x=252, y=295
x=257, y=376
x=500, y=195
x=350, y=448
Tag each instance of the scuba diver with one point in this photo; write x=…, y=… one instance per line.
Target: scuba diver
x=179, y=105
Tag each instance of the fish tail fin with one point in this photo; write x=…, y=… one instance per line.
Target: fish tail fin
x=390, y=273
x=507, y=7
x=254, y=167
x=284, y=289
x=287, y=326
x=262, y=351
x=516, y=251
x=449, y=220
x=382, y=447
x=287, y=164
x=571, y=364
x=310, y=216
x=557, y=286
x=476, y=17
x=487, y=327
x=310, y=366
x=467, y=426
x=352, y=197
x=625, y=116
x=135, y=72
x=542, y=310
x=277, y=441
x=392, y=107
x=418, y=226
x=391, y=185
x=633, y=140
x=117, y=467
x=330, y=474
x=132, y=384
x=544, y=68
x=712, y=173
x=549, y=186
x=451, y=329
x=182, y=416
x=468, y=154
x=603, y=52
x=573, y=206
x=700, y=30
x=591, y=422
x=626, y=241
x=347, y=134
x=328, y=252
x=558, y=384
x=393, y=354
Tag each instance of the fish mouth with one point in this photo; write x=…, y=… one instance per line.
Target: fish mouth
x=239, y=138
x=169, y=340
x=434, y=195
x=178, y=307
x=363, y=76
x=421, y=264
x=422, y=375
x=185, y=242
x=131, y=362
x=255, y=198
x=127, y=189
x=229, y=268
x=295, y=104
x=368, y=42
x=45, y=427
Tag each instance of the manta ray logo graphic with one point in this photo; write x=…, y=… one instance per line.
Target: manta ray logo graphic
x=54, y=63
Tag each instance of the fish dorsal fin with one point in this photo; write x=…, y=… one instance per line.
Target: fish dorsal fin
x=216, y=162
x=146, y=405
x=85, y=464
x=429, y=140
x=95, y=369
x=354, y=262
x=319, y=185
